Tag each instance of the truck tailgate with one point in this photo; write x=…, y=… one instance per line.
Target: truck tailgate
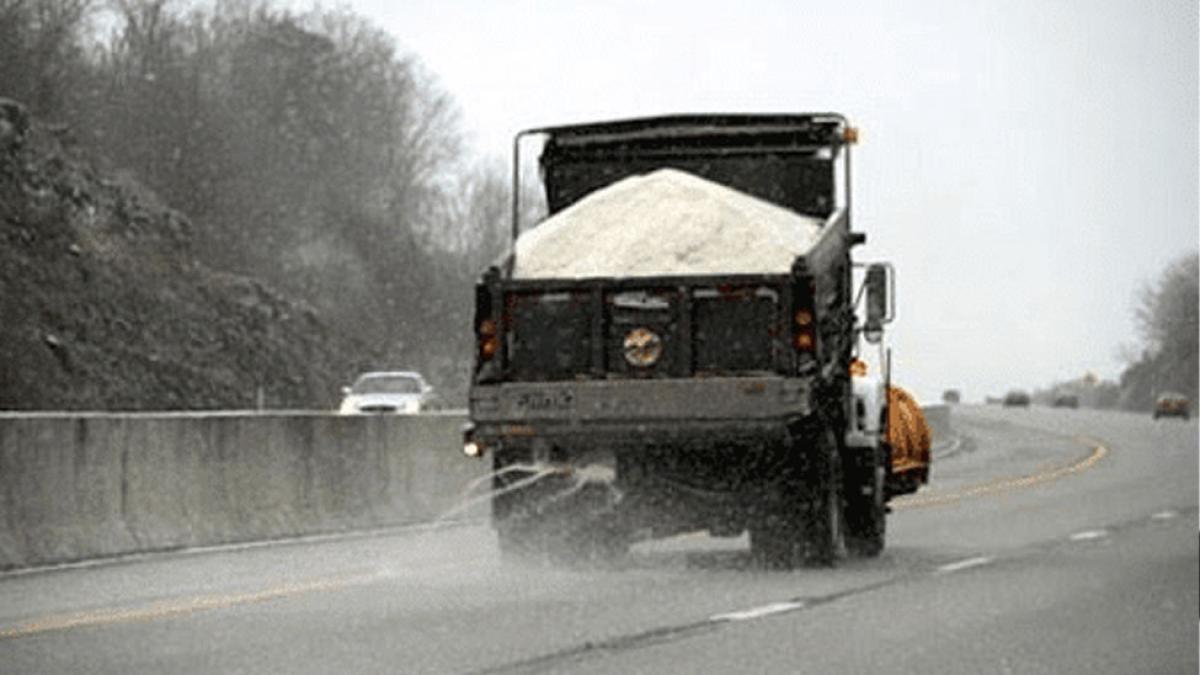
x=630, y=401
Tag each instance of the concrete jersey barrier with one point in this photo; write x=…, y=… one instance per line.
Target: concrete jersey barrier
x=938, y=418
x=76, y=487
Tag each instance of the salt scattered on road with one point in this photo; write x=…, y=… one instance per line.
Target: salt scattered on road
x=668, y=222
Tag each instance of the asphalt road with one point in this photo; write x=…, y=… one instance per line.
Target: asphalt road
x=1051, y=541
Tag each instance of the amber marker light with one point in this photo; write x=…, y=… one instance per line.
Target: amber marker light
x=804, y=341
x=489, y=342
x=803, y=317
x=489, y=346
x=850, y=135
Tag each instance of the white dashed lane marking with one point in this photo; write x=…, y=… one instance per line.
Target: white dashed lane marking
x=1088, y=535
x=963, y=564
x=758, y=612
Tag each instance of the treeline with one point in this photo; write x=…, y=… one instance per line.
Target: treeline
x=307, y=150
x=1168, y=318
x=1166, y=357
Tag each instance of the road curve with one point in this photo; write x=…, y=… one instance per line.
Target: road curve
x=1055, y=541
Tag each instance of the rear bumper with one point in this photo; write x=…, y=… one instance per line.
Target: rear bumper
x=1166, y=411
x=609, y=403
x=562, y=420
x=683, y=453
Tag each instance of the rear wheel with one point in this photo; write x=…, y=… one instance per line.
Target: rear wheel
x=802, y=516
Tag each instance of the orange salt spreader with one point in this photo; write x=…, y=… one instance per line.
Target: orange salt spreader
x=907, y=435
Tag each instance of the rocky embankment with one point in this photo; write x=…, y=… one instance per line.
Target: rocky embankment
x=104, y=306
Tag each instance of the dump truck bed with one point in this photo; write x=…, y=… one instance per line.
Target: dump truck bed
x=703, y=325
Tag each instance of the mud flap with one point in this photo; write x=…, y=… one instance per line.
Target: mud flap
x=866, y=501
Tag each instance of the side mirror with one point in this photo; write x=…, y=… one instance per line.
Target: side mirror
x=878, y=284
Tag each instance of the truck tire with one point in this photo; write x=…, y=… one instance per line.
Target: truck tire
x=866, y=515
x=825, y=534
x=802, y=517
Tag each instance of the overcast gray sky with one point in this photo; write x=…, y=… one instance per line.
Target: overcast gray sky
x=1025, y=164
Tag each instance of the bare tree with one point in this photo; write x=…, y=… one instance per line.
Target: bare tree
x=1167, y=317
x=39, y=50
x=1167, y=311
x=307, y=149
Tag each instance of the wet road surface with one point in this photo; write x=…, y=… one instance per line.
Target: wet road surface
x=1049, y=541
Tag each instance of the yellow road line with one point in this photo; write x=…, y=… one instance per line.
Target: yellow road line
x=177, y=607
x=1006, y=484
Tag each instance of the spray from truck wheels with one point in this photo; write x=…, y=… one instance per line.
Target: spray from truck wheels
x=686, y=319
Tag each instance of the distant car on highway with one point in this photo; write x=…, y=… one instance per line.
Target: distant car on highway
x=1016, y=398
x=1065, y=401
x=951, y=396
x=1172, y=404
x=395, y=392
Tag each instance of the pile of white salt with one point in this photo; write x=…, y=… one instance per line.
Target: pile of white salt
x=668, y=222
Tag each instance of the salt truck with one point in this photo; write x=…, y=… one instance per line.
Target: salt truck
x=671, y=349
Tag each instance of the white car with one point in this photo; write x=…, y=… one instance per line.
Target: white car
x=396, y=392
